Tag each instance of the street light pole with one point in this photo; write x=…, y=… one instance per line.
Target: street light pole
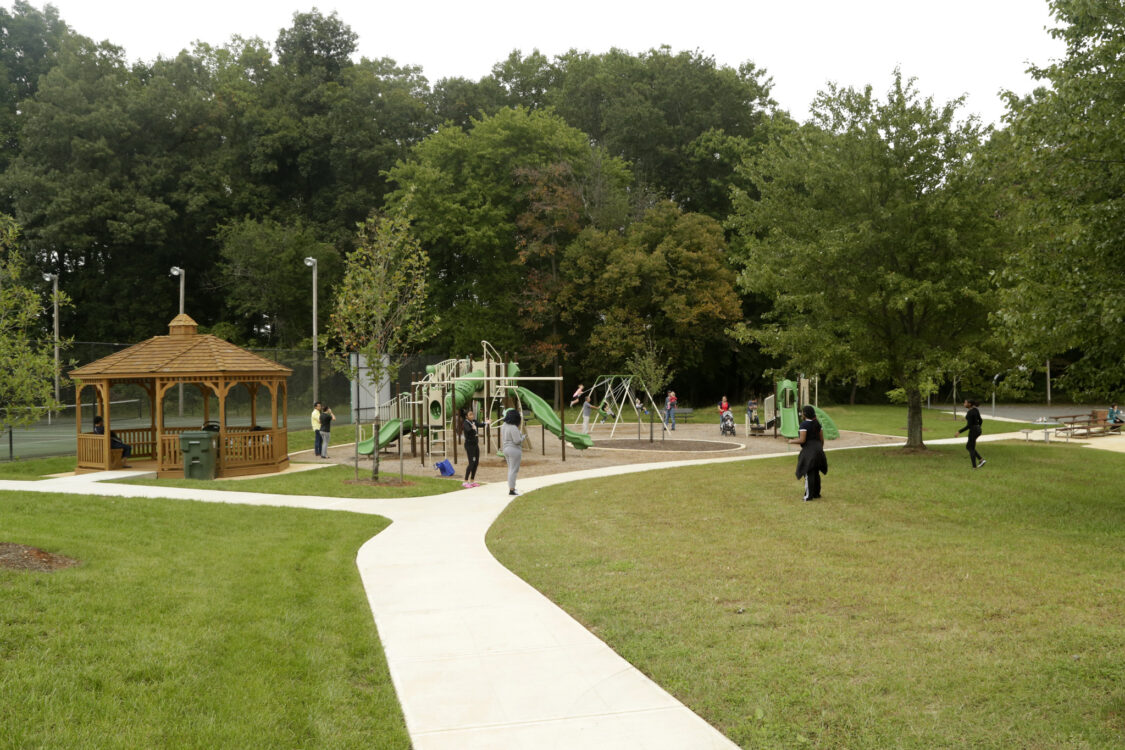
x=54, y=279
x=311, y=263
x=177, y=271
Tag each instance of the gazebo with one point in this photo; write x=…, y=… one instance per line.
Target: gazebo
x=212, y=365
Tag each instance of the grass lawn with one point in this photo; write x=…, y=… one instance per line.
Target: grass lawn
x=330, y=481
x=36, y=468
x=190, y=625
x=919, y=605
x=890, y=419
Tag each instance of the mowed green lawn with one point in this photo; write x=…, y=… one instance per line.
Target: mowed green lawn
x=190, y=625
x=921, y=604
x=890, y=419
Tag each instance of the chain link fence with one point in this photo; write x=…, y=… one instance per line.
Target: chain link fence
x=55, y=434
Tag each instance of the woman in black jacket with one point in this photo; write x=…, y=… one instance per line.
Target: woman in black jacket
x=973, y=424
x=812, y=462
x=469, y=426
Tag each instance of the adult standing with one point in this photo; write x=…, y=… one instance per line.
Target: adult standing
x=811, y=462
x=670, y=410
x=511, y=442
x=326, y=417
x=973, y=423
x=315, y=420
x=586, y=406
x=469, y=429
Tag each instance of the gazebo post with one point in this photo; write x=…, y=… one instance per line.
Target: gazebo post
x=253, y=389
x=103, y=393
x=158, y=418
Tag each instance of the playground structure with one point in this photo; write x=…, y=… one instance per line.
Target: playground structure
x=431, y=411
x=620, y=395
x=790, y=397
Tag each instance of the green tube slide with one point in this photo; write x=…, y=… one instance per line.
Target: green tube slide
x=388, y=433
x=545, y=414
x=827, y=426
x=787, y=407
x=462, y=394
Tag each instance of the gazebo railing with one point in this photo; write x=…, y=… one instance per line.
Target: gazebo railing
x=242, y=447
x=91, y=446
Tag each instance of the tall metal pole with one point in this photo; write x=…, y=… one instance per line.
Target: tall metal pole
x=177, y=271
x=311, y=263
x=54, y=279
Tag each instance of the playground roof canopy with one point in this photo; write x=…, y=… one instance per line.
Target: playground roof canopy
x=183, y=352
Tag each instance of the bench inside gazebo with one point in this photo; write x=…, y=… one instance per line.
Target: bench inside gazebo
x=186, y=357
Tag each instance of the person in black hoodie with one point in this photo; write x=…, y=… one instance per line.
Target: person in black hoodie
x=469, y=427
x=812, y=462
x=973, y=424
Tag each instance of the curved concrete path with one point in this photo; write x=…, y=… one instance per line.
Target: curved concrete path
x=480, y=659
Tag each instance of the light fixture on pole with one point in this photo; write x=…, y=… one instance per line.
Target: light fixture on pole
x=54, y=279
x=177, y=271
x=311, y=263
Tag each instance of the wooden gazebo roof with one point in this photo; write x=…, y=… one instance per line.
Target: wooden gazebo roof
x=183, y=352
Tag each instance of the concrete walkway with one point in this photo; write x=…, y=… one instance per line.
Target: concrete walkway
x=480, y=659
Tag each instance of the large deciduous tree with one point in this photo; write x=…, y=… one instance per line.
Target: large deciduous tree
x=30, y=41
x=493, y=206
x=263, y=274
x=876, y=242
x=674, y=117
x=113, y=186
x=1064, y=158
x=663, y=281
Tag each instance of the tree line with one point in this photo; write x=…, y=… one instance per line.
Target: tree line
x=584, y=208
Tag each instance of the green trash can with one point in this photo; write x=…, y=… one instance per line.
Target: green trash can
x=201, y=451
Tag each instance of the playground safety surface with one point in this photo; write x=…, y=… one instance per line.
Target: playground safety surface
x=543, y=456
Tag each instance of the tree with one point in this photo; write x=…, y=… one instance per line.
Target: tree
x=664, y=279
x=27, y=365
x=650, y=364
x=470, y=190
x=380, y=310
x=875, y=241
x=676, y=118
x=266, y=282
x=30, y=41
x=114, y=185
x=1064, y=160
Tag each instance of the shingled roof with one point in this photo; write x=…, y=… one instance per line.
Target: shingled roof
x=184, y=351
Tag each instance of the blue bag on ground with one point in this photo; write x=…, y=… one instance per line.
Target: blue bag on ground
x=444, y=467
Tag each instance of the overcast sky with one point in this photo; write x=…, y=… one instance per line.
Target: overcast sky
x=953, y=47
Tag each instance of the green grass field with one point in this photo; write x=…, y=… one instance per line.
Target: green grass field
x=919, y=605
x=190, y=625
x=891, y=420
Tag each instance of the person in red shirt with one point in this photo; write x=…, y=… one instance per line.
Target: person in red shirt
x=723, y=405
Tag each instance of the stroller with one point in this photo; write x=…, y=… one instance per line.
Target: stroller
x=726, y=423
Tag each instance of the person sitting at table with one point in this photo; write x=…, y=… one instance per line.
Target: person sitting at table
x=114, y=441
x=1115, y=416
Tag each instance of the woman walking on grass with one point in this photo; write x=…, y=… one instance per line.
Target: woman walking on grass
x=812, y=462
x=973, y=424
x=511, y=442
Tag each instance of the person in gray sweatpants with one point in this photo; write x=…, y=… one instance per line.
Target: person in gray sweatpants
x=511, y=442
